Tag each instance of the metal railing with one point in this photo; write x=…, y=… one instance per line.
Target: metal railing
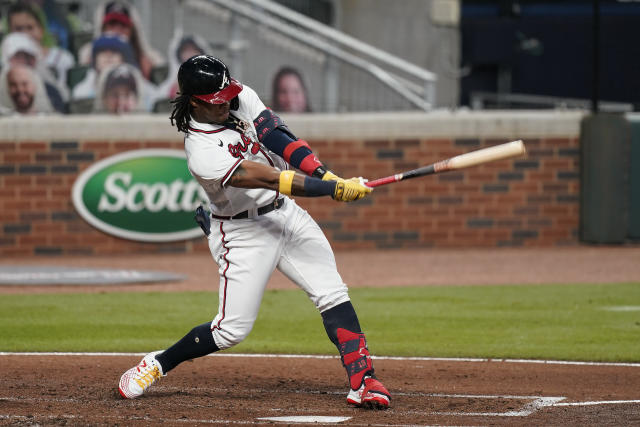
x=411, y=82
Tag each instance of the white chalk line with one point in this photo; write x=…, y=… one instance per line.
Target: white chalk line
x=601, y=402
x=525, y=411
x=314, y=356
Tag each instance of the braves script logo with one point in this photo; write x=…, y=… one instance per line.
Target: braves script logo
x=242, y=146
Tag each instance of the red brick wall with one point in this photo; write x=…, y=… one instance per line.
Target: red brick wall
x=532, y=201
x=37, y=216
x=529, y=202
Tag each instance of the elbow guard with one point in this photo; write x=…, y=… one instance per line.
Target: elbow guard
x=274, y=134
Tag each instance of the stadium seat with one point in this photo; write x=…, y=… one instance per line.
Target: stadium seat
x=75, y=75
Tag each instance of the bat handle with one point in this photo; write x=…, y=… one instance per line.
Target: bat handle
x=385, y=180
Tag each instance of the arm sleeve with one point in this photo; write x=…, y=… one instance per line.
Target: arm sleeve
x=276, y=136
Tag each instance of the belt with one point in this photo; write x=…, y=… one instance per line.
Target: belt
x=261, y=210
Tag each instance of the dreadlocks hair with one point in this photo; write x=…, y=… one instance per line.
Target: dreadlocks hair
x=181, y=113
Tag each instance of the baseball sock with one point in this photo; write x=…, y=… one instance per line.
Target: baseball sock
x=197, y=343
x=340, y=316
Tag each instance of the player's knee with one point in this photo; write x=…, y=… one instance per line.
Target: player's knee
x=331, y=298
x=228, y=335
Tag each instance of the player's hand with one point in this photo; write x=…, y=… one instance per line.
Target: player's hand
x=330, y=176
x=351, y=189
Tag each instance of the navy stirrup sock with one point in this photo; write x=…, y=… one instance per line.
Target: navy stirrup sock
x=341, y=316
x=197, y=343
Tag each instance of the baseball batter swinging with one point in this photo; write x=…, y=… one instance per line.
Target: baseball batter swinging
x=240, y=153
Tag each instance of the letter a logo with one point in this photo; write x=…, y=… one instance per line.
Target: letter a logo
x=225, y=81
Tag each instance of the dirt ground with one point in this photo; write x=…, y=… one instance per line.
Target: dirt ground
x=224, y=390
x=407, y=267
x=232, y=389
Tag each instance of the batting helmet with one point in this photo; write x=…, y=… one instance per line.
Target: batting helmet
x=207, y=78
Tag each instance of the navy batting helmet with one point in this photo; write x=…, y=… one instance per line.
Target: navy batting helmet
x=207, y=78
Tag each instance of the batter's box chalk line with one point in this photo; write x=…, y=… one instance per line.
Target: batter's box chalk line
x=537, y=403
x=305, y=419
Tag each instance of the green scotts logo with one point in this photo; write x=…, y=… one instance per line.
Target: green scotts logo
x=145, y=195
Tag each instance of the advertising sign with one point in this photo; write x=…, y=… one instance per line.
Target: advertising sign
x=143, y=195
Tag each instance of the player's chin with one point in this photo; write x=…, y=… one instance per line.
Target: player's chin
x=221, y=118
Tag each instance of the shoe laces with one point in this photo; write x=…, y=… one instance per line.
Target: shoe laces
x=147, y=375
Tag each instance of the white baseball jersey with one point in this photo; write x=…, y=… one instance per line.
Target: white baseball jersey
x=248, y=250
x=214, y=152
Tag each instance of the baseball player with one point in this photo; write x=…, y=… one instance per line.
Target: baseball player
x=241, y=154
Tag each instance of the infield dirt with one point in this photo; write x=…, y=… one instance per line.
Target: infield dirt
x=229, y=390
x=224, y=390
x=406, y=267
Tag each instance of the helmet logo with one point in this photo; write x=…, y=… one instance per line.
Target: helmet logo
x=225, y=81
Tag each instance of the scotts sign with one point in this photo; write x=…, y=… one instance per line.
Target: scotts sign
x=144, y=195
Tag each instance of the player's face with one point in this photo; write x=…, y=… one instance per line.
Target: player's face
x=25, y=23
x=210, y=113
x=21, y=88
x=291, y=96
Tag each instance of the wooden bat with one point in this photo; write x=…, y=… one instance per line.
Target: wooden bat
x=473, y=158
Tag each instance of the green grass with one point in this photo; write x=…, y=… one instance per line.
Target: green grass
x=567, y=322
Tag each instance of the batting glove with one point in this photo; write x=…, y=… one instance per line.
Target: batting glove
x=351, y=189
x=330, y=176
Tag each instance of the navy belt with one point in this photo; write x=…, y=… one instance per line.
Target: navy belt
x=261, y=210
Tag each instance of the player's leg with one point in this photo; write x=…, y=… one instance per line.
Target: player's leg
x=308, y=260
x=137, y=380
x=246, y=254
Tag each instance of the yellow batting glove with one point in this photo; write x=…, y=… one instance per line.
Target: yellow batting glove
x=351, y=189
x=330, y=176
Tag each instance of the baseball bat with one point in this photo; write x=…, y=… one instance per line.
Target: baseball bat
x=473, y=158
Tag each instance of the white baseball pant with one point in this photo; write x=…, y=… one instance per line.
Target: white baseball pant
x=247, y=252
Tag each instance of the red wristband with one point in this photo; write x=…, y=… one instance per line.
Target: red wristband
x=309, y=164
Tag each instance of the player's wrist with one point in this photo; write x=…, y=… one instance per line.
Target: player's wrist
x=314, y=187
x=324, y=174
x=285, y=185
x=319, y=172
x=311, y=187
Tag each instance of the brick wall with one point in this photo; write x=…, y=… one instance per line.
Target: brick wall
x=522, y=202
x=37, y=216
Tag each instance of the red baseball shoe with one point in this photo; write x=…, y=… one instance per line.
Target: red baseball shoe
x=371, y=395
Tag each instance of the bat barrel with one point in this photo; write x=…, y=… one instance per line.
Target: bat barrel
x=490, y=154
